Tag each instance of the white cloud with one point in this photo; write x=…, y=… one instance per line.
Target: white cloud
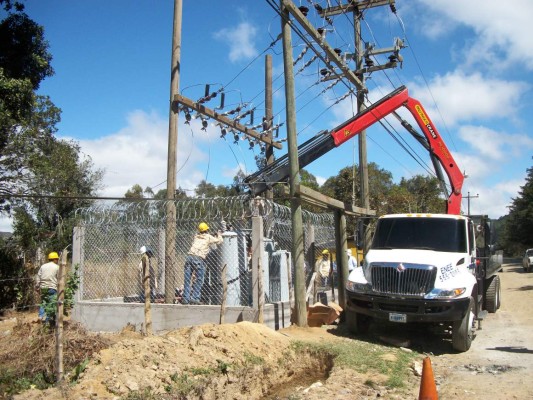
x=320, y=180
x=137, y=154
x=497, y=146
x=462, y=97
x=500, y=29
x=240, y=41
x=492, y=201
x=6, y=224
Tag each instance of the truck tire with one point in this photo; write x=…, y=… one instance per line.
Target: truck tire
x=499, y=294
x=463, y=330
x=357, y=323
x=492, y=295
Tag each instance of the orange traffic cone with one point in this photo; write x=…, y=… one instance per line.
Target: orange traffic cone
x=428, y=388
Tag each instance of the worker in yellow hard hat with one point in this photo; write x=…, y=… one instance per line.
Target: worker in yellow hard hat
x=195, y=263
x=46, y=282
x=322, y=268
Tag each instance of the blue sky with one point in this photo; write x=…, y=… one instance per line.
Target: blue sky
x=469, y=63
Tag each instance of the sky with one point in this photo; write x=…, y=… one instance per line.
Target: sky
x=469, y=63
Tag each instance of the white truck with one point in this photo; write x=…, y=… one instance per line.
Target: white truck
x=426, y=268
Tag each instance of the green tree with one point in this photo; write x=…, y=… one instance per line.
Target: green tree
x=399, y=200
x=426, y=194
x=58, y=181
x=341, y=187
x=43, y=179
x=23, y=49
x=24, y=63
x=208, y=190
x=518, y=230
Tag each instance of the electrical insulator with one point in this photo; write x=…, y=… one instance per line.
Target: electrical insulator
x=368, y=62
x=204, y=124
x=236, y=138
x=304, y=10
x=252, y=144
x=223, y=132
x=188, y=117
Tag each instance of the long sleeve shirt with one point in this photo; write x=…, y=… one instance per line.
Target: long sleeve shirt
x=322, y=266
x=47, y=276
x=202, y=242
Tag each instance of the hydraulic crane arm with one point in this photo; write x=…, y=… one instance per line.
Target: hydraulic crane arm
x=324, y=141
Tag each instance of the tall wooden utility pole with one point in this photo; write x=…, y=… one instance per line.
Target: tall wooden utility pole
x=355, y=7
x=170, y=242
x=294, y=179
x=361, y=89
x=269, y=150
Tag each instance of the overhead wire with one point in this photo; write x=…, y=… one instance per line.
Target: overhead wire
x=327, y=63
x=399, y=139
x=425, y=80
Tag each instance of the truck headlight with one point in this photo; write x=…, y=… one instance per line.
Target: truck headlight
x=445, y=293
x=357, y=287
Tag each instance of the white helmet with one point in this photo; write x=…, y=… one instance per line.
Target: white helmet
x=146, y=250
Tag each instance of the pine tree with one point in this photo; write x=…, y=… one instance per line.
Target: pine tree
x=518, y=233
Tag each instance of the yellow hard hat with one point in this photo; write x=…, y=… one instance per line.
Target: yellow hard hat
x=53, y=256
x=325, y=251
x=203, y=227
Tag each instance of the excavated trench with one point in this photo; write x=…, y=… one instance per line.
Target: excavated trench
x=269, y=382
x=318, y=371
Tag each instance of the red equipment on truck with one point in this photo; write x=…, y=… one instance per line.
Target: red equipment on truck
x=325, y=141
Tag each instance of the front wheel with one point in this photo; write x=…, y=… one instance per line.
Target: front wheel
x=463, y=330
x=357, y=323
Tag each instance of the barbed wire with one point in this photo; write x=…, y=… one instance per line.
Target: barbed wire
x=16, y=279
x=21, y=308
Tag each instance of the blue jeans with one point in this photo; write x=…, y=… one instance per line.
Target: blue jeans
x=196, y=265
x=46, y=295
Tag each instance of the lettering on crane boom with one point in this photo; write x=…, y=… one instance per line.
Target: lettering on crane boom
x=444, y=151
x=426, y=121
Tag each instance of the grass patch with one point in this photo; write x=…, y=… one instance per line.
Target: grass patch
x=27, y=356
x=362, y=357
x=11, y=383
x=252, y=359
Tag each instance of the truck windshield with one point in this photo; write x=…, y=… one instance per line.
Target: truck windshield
x=438, y=234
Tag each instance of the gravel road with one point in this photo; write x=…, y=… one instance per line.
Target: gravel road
x=499, y=364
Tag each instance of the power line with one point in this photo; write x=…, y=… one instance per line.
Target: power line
x=425, y=80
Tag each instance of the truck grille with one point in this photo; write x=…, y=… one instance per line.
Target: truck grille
x=403, y=279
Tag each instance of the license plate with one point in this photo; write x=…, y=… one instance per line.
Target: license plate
x=398, y=317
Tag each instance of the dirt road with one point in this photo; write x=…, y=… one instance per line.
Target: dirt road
x=500, y=363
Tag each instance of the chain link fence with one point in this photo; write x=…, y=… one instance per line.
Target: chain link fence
x=113, y=235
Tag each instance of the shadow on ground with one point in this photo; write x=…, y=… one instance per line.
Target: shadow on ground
x=422, y=338
x=512, y=349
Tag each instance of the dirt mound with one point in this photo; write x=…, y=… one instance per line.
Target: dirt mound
x=240, y=360
x=237, y=361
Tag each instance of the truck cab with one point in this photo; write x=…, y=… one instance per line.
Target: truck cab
x=419, y=268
